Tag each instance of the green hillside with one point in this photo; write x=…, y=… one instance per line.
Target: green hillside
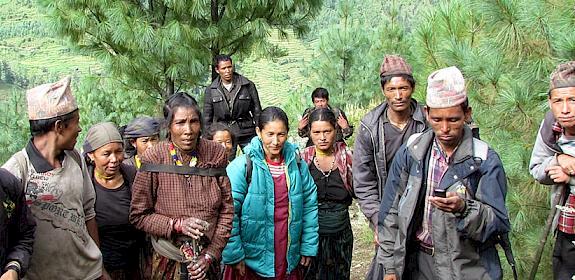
x=32, y=54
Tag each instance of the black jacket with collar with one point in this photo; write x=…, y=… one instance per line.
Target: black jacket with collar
x=245, y=109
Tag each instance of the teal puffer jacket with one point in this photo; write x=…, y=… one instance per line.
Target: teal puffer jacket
x=252, y=237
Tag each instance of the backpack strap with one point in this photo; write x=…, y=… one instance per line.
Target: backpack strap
x=480, y=149
x=249, y=169
x=183, y=170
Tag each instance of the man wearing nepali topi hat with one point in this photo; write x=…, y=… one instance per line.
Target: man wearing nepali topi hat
x=381, y=132
x=553, y=163
x=444, y=201
x=58, y=188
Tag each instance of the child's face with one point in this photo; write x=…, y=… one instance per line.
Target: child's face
x=224, y=138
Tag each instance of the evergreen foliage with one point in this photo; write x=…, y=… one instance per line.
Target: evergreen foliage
x=163, y=46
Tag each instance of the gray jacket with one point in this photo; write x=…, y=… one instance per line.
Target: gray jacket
x=464, y=247
x=544, y=155
x=369, y=160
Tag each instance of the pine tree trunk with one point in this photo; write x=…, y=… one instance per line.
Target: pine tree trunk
x=215, y=15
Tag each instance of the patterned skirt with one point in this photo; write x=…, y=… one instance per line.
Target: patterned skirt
x=167, y=269
x=333, y=259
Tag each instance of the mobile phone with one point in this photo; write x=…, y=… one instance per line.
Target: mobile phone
x=439, y=193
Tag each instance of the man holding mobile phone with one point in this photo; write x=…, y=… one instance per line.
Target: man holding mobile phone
x=442, y=222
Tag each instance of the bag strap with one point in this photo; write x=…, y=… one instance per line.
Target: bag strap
x=183, y=170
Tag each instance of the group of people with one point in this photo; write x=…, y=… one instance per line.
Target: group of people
x=225, y=195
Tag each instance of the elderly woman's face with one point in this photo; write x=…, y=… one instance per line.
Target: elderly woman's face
x=274, y=135
x=185, y=128
x=322, y=135
x=107, y=158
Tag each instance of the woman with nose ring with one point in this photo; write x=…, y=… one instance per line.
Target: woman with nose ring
x=330, y=166
x=274, y=233
x=120, y=241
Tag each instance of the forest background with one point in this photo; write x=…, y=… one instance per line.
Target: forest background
x=505, y=48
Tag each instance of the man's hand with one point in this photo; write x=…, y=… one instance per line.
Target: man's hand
x=305, y=261
x=375, y=238
x=567, y=163
x=241, y=268
x=303, y=122
x=389, y=277
x=557, y=174
x=10, y=274
x=452, y=203
x=342, y=122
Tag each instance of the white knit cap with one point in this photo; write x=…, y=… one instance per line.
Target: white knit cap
x=445, y=88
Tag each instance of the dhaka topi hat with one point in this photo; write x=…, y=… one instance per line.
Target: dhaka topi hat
x=563, y=76
x=394, y=65
x=101, y=134
x=445, y=88
x=144, y=126
x=51, y=100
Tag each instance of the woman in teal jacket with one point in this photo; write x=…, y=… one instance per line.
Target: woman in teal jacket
x=275, y=226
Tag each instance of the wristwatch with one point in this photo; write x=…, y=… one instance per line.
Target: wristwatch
x=463, y=213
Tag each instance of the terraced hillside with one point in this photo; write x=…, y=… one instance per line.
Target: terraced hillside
x=276, y=78
x=29, y=50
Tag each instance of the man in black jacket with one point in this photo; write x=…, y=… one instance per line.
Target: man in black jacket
x=233, y=100
x=16, y=228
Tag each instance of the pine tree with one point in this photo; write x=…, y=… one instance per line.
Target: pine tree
x=163, y=46
x=340, y=56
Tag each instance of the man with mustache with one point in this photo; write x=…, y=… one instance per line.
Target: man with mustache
x=553, y=163
x=381, y=132
x=233, y=100
x=444, y=206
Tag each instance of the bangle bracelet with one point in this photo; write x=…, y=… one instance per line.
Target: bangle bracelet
x=13, y=265
x=208, y=259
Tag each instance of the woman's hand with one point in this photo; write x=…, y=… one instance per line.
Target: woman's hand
x=241, y=268
x=192, y=227
x=199, y=270
x=305, y=261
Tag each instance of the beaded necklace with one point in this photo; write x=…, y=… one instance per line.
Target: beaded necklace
x=178, y=162
x=325, y=174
